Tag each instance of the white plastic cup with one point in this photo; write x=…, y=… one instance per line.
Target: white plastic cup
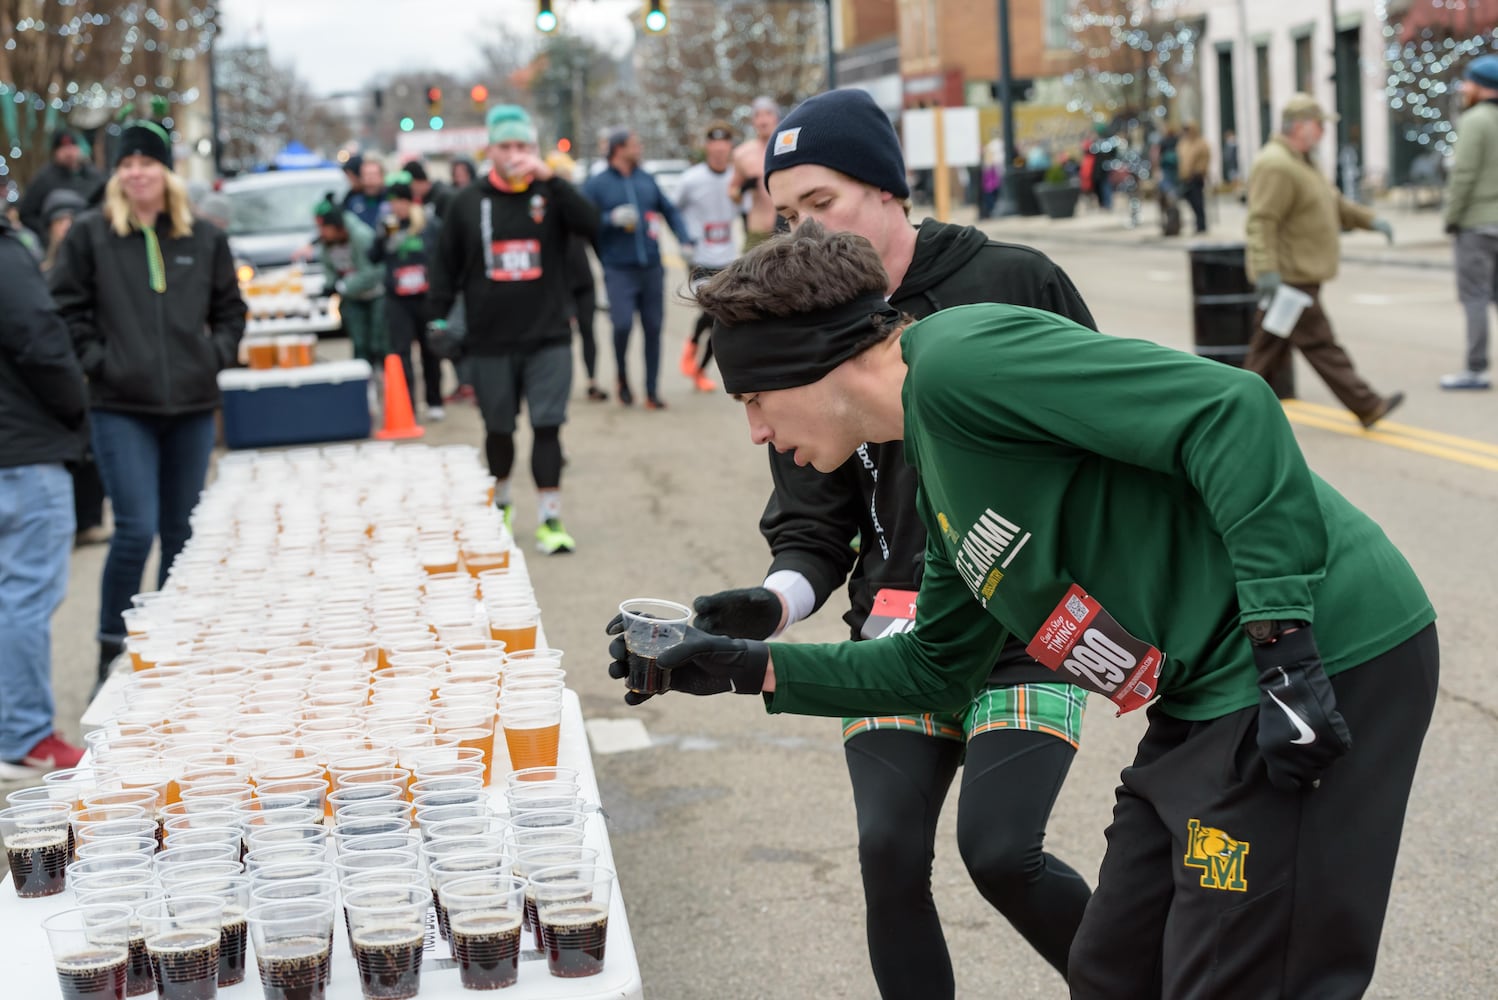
x=1284, y=310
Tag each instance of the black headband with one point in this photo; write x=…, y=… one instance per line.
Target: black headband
x=783, y=352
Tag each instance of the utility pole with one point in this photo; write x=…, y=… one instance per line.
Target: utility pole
x=831, y=49
x=1006, y=98
x=1339, y=130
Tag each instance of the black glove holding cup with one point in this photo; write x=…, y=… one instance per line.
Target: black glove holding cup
x=1300, y=730
x=701, y=663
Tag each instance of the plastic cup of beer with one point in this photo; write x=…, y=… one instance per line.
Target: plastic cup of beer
x=484, y=914
x=387, y=927
x=572, y=906
x=546, y=856
x=513, y=623
x=544, y=774
x=472, y=722
x=36, y=845
x=182, y=941
x=293, y=942
x=260, y=353
x=234, y=890
x=540, y=796
x=651, y=626
x=532, y=731
x=486, y=552
x=90, y=951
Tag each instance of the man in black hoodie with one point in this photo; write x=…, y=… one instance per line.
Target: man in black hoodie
x=68, y=170
x=43, y=399
x=836, y=159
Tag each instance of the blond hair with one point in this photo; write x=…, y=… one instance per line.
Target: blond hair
x=418, y=218
x=178, y=207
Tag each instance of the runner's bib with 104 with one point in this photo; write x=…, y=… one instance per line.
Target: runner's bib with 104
x=1081, y=641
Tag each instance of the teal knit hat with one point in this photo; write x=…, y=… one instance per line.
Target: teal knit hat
x=510, y=123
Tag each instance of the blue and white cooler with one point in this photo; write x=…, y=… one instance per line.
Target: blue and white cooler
x=283, y=406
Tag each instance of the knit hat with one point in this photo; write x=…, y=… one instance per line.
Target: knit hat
x=617, y=137
x=415, y=169
x=60, y=202
x=147, y=139
x=328, y=211
x=1483, y=71
x=843, y=130
x=398, y=185
x=63, y=137
x=353, y=164
x=510, y=123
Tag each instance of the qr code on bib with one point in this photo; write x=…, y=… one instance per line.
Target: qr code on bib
x=1076, y=607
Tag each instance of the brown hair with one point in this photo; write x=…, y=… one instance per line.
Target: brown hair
x=794, y=273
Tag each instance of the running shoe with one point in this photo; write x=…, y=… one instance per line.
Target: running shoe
x=436, y=413
x=626, y=397
x=703, y=383
x=52, y=753
x=552, y=538
x=507, y=511
x=655, y=404
x=689, y=360
x=1466, y=380
x=596, y=394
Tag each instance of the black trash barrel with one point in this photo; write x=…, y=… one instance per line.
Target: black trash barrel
x=1223, y=305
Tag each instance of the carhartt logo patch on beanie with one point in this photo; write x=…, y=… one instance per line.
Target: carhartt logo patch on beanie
x=843, y=130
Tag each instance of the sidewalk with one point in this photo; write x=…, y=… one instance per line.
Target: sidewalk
x=1418, y=239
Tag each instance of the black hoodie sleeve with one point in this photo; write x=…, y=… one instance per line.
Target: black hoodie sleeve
x=445, y=269
x=226, y=307
x=810, y=522
x=1060, y=296
x=579, y=215
x=35, y=338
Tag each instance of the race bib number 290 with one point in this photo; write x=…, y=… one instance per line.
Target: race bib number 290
x=1083, y=643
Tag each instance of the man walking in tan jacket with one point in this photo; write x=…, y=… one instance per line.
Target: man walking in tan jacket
x=1472, y=215
x=1295, y=217
x=1195, y=158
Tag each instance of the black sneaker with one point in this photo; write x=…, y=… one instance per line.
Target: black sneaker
x=626, y=398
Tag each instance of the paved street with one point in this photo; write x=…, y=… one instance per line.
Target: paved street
x=734, y=831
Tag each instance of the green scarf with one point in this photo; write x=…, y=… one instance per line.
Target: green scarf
x=154, y=263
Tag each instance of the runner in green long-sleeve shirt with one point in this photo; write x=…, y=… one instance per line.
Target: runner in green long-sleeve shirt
x=1146, y=522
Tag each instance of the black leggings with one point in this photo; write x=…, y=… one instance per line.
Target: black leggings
x=546, y=456
x=704, y=324
x=585, y=300
x=1009, y=784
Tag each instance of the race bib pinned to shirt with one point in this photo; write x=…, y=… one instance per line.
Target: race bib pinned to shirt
x=411, y=280
x=1089, y=648
x=653, y=225
x=515, y=260
x=893, y=613
x=717, y=232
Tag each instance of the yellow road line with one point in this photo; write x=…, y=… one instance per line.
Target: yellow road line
x=1340, y=415
x=1298, y=414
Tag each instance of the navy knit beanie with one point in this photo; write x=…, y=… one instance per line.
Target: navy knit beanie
x=1483, y=71
x=843, y=130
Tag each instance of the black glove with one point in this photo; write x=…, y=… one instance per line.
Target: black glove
x=700, y=664
x=442, y=343
x=747, y=613
x=1300, y=730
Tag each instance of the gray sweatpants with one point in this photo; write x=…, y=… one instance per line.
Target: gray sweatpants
x=1477, y=287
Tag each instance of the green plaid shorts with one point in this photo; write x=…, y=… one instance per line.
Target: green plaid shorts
x=1056, y=709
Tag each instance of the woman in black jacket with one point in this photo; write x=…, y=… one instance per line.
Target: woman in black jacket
x=405, y=244
x=150, y=297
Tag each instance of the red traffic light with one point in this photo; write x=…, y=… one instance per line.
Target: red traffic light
x=434, y=94
x=479, y=94
x=564, y=145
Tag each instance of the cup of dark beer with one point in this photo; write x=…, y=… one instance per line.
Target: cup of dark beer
x=90, y=946
x=572, y=905
x=293, y=947
x=36, y=845
x=484, y=914
x=234, y=890
x=651, y=626
x=182, y=941
x=387, y=929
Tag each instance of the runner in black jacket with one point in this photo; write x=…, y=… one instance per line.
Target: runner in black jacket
x=843, y=166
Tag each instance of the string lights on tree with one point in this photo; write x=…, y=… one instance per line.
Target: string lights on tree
x=1132, y=56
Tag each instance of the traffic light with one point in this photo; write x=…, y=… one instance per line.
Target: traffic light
x=407, y=123
x=656, y=18
x=564, y=145
x=435, y=123
x=479, y=95
x=434, y=101
x=546, y=18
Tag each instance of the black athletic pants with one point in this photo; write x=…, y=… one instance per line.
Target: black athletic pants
x=585, y=304
x=1216, y=884
x=1009, y=784
x=406, y=319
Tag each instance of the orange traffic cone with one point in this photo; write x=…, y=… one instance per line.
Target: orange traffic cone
x=400, y=422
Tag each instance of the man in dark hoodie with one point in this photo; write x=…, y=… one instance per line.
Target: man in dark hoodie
x=68, y=170
x=43, y=400
x=836, y=159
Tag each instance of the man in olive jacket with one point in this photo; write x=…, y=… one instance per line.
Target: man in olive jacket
x=1294, y=220
x=1472, y=215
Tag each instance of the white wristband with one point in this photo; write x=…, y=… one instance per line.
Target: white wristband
x=796, y=590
